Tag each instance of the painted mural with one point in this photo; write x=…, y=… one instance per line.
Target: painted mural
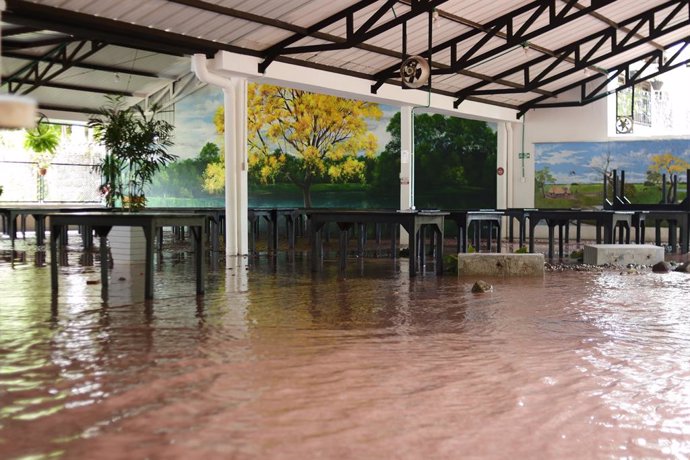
x=571, y=173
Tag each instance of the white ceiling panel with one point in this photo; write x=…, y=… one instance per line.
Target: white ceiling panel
x=148, y=32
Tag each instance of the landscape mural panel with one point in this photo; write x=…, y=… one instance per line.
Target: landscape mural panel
x=571, y=173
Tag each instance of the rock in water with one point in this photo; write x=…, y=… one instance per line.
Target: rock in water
x=661, y=267
x=482, y=286
x=684, y=268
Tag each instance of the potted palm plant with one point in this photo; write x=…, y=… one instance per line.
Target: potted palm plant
x=137, y=144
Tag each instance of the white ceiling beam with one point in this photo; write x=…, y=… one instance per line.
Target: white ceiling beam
x=321, y=81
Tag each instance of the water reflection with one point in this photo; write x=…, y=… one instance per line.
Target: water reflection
x=277, y=361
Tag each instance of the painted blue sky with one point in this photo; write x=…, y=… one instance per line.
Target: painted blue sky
x=579, y=162
x=194, y=122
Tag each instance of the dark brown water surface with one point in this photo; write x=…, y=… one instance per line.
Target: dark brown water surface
x=275, y=362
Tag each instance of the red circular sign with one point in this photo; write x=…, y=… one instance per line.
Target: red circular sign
x=500, y=171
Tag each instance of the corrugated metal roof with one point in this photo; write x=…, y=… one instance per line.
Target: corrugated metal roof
x=496, y=50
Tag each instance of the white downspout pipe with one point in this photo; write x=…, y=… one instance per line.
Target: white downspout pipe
x=200, y=69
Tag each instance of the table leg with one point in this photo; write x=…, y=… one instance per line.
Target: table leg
x=315, y=230
x=344, y=237
x=439, y=250
x=104, y=265
x=413, y=250
x=148, y=273
x=498, y=238
x=54, y=235
x=199, y=244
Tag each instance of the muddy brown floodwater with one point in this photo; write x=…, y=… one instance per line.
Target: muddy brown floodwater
x=277, y=362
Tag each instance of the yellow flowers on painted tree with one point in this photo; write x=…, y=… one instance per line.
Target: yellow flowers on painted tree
x=307, y=138
x=668, y=164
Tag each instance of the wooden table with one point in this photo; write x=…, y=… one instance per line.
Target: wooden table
x=412, y=221
x=102, y=222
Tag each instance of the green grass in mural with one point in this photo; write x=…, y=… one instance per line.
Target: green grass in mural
x=590, y=195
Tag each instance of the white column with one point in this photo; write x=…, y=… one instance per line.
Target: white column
x=236, y=184
x=241, y=178
x=502, y=171
x=230, y=177
x=511, y=173
x=406, y=162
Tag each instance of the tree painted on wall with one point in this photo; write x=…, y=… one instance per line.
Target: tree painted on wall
x=666, y=163
x=455, y=162
x=542, y=177
x=304, y=138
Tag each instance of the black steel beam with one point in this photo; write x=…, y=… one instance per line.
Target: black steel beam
x=632, y=78
x=84, y=65
x=364, y=33
x=512, y=37
x=62, y=108
x=71, y=87
x=17, y=30
x=61, y=59
x=28, y=44
x=112, y=31
x=630, y=41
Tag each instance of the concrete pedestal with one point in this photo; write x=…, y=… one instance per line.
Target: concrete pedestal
x=493, y=264
x=623, y=254
x=127, y=245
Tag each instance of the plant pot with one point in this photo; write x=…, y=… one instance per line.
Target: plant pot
x=134, y=203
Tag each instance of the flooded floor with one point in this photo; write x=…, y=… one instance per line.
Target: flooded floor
x=277, y=362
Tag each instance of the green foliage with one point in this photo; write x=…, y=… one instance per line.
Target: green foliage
x=301, y=137
x=578, y=254
x=185, y=178
x=521, y=250
x=653, y=178
x=454, y=157
x=137, y=145
x=450, y=264
x=43, y=140
x=542, y=177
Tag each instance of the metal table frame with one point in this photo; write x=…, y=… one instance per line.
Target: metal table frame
x=272, y=216
x=606, y=219
x=465, y=218
x=102, y=222
x=412, y=221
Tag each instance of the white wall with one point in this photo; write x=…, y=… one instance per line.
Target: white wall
x=588, y=123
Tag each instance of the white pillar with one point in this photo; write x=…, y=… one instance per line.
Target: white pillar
x=511, y=173
x=231, y=243
x=502, y=171
x=236, y=186
x=236, y=189
x=241, y=177
x=406, y=163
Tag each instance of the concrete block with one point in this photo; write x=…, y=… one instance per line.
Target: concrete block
x=127, y=245
x=622, y=254
x=491, y=264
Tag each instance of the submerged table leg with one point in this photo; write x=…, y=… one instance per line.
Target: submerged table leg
x=148, y=273
x=55, y=231
x=104, y=265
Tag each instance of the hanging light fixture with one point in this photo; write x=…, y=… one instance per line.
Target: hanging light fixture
x=15, y=111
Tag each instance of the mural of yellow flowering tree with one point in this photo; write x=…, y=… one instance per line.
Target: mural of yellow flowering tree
x=304, y=138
